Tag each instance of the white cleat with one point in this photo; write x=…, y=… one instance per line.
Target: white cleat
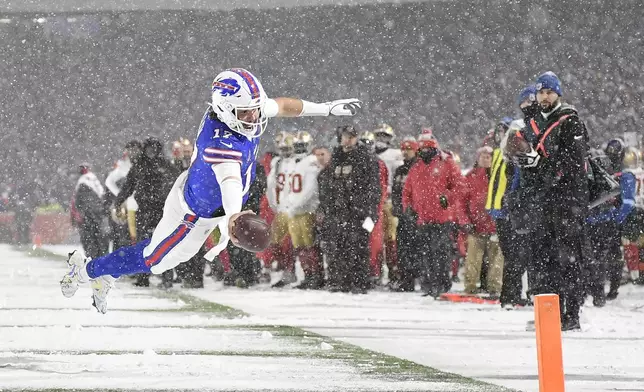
x=76, y=275
x=100, y=288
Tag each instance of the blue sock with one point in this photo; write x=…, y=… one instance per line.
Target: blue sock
x=127, y=260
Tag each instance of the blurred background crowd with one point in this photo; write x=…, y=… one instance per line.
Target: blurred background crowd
x=76, y=87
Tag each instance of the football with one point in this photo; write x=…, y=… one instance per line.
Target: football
x=516, y=145
x=253, y=233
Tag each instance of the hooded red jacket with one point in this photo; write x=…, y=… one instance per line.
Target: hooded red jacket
x=426, y=183
x=474, y=199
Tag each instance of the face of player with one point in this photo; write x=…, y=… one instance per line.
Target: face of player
x=323, y=156
x=408, y=153
x=485, y=159
x=248, y=117
x=547, y=99
x=348, y=141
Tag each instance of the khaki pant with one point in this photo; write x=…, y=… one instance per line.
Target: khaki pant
x=477, y=246
x=301, y=227
x=390, y=223
x=279, y=229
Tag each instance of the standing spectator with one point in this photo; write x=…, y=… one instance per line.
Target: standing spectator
x=482, y=238
x=114, y=182
x=325, y=178
x=150, y=179
x=430, y=199
x=88, y=201
x=350, y=212
x=558, y=157
x=376, y=238
x=393, y=158
x=607, y=225
x=303, y=202
x=277, y=189
x=406, y=229
x=515, y=245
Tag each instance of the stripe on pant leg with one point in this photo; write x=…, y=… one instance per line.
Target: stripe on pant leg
x=171, y=241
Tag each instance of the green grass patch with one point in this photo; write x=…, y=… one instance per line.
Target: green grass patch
x=367, y=362
x=198, y=305
x=39, y=252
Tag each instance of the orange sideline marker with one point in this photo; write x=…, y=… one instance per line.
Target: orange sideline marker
x=547, y=322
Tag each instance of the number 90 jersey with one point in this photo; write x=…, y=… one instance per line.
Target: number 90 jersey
x=215, y=144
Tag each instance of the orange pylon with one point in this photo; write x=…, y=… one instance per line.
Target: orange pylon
x=547, y=321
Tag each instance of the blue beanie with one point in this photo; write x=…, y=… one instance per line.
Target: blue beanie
x=550, y=81
x=529, y=92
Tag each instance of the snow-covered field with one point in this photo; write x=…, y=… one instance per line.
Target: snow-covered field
x=289, y=340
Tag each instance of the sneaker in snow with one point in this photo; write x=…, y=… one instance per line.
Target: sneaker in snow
x=77, y=274
x=100, y=288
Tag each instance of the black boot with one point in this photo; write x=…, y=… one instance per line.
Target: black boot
x=599, y=301
x=143, y=280
x=613, y=292
x=569, y=323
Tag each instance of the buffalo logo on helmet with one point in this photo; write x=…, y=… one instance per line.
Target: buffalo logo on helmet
x=226, y=87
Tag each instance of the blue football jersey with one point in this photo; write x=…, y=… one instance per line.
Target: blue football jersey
x=216, y=143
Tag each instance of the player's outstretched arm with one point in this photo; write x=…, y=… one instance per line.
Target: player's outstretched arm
x=294, y=107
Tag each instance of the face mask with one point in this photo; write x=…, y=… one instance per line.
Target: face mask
x=427, y=154
x=530, y=111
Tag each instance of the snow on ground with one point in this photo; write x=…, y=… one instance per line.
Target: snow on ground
x=478, y=341
x=153, y=340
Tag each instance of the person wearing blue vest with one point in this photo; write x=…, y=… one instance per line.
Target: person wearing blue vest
x=212, y=192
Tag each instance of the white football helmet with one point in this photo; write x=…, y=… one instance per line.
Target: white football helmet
x=238, y=100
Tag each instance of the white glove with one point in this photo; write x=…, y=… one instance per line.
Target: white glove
x=529, y=159
x=494, y=238
x=344, y=107
x=368, y=224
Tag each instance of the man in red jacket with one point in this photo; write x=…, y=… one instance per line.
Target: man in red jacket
x=431, y=198
x=482, y=238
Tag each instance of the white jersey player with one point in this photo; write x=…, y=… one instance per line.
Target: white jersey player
x=303, y=195
x=281, y=171
x=303, y=202
x=392, y=157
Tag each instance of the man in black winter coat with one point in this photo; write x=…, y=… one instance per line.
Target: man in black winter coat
x=150, y=179
x=88, y=201
x=406, y=229
x=557, y=164
x=350, y=213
